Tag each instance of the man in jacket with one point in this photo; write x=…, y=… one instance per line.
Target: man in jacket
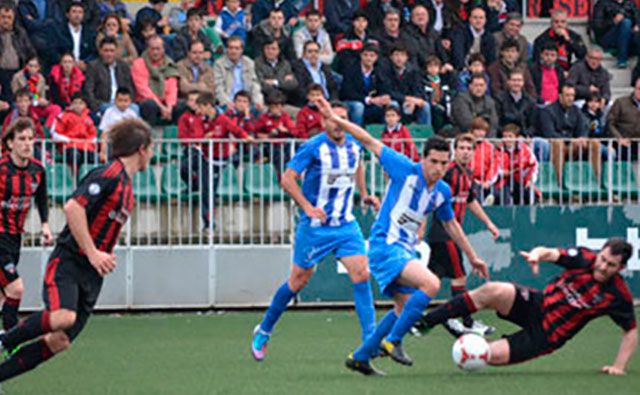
x=475, y=103
x=76, y=37
x=514, y=105
x=189, y=33
x=512, y=30
x=15, y=49
x=472, y=38
x=623, y=121
x=194, y=73
x=309, y=70
x=274, y=72
x=568, y=42
x=616, y=24
x=273, y=28
x=588, y=76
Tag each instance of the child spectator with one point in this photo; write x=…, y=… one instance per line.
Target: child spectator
x=594, y=114
x=547, y=74
x=178, y=14
x=75, y=129
x=519, y=169
x=120, y=111
x=152, y=14
x=242, y=116
x=476, y=64
x=397, y=136
x=276, y=124
x=486, y=162
x=24, y=109
x=438, y=90
x=65, y=80
x=232, y=21
x=309, y=118
x=31, y=79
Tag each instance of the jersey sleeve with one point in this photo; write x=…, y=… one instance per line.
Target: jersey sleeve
x=624, y=316
x=396, y=165
x=303, y=158
x=576, y=258
x=94, y=188
x=444, y=212
x=472, y=190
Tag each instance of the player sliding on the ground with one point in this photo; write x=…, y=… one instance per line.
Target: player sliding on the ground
x=590, y=287
x=95, y=213
x=446, y=258
x=415, y=190
x=21, y=179
x=332, y=169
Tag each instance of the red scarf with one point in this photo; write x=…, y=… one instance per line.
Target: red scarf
x=67, y=87
x=563, y=54
x=32, y=82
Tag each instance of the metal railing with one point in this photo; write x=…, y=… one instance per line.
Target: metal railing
x=227, y=191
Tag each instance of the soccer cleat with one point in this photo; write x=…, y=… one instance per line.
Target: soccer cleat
x=259, y=343
x=420, y=328
x=455, y=327
x=396, y=352
x=364, y=367
x=482, y=329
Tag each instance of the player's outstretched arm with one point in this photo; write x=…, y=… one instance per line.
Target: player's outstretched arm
x=77, y=220
x=454, y=230
x=540, y=254
x=628, y=346
x=477, y=210
x=290, y=185
x=368, y=141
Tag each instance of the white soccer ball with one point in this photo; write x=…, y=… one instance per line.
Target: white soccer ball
x=471, y=352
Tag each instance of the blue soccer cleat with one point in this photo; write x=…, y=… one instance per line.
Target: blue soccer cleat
x=259, y=343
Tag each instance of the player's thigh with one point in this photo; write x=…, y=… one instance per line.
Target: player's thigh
x=499, y=352
x=357, y=266
x=61, y=283
x=311, y=245
x=417, y=276
x=498, y=296
x=88, y=296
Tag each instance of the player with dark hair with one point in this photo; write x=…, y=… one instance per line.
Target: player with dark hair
x=332, y=167
x=21, y=178
x=589, y=287
x=96, y=212
x=446, y=258
x=415, y=190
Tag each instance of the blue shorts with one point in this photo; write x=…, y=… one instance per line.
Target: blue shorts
x=313, y=244
x=386, y=262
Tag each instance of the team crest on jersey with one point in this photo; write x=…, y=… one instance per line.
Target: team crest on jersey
x=572, y=252
x=94, y=189
x=10, y=268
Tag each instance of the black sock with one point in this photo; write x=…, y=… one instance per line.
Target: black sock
x=10, y=313
x=25, y=359
x=35, y=325
x=455, y=292
x=459, y=306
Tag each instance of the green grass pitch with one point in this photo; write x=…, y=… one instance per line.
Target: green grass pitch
x=209, y=354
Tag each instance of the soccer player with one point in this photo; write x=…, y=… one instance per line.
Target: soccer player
x=446, y=258
x=415, y=190
x=589, y=287
x=95, y=213
x=332, y=169
x=21, y=178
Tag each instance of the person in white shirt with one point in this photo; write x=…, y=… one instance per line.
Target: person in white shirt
x=120, y=111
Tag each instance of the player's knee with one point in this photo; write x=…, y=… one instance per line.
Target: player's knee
x=57, y=342
x=432, y=286
x=360, y=274
x=63, y=319
x=299, y=281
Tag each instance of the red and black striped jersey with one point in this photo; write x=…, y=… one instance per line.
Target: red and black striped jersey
x=574, y=298
x=106, y=194
x=463, y=188
x=18, y=186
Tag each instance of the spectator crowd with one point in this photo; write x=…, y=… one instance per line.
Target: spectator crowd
x=251, y=69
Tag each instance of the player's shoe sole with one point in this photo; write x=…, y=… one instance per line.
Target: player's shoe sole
x=396, y=352
x=259, y=344
x=362, y=367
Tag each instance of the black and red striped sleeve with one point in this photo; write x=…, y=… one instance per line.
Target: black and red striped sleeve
x=473, y=188
x=622, y=313
x=94, y=188
x=576, y=258
x=41, y=198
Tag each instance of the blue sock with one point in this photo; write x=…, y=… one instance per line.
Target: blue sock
x=412, y=311
x=278, y=305
x=363, y=298
x=370, y=346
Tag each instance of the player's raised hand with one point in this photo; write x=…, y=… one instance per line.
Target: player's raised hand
x=613, y=371
x=316, y=213
x=324, y=107
x=480, y=267
x=533, y=260
x=103, y=263
x=373, y=201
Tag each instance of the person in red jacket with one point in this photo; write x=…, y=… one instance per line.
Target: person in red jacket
x=486, y=162
x=396, y=136
x=23, y=109
x=309, y=119
x=276, y=125
x=242, y=116
x=75, y=129
x=519, y=168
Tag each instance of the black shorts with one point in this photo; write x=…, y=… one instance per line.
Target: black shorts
x=9, y=258
x=71, y=283
x=445, y=260
x=526, y=312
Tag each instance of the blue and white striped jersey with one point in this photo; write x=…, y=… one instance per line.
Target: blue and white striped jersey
x=407, y=202
x=329, y=177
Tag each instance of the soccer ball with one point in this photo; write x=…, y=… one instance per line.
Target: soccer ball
x=471, y=352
